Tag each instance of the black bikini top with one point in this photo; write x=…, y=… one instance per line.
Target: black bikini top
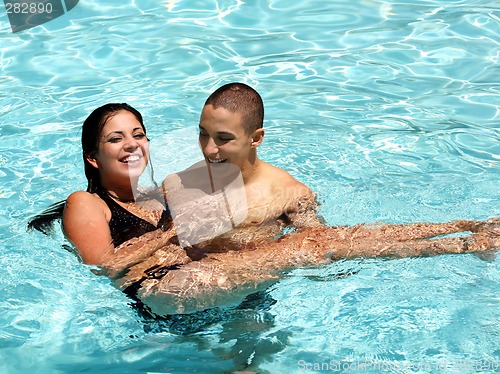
x=125, y=225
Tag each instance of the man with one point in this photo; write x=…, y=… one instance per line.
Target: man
x=233, y=198
x=230, y=131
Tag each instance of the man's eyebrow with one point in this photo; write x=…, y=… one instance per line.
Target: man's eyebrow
x=225, y=133
x=218, y=132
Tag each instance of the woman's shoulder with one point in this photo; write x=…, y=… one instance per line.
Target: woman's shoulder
x=84, y=201
x=82, y=211
x=83, y=196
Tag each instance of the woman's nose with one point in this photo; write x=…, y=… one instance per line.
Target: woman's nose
x=131, y=144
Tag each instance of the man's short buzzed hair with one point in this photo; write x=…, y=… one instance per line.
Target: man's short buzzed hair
x=243, y=99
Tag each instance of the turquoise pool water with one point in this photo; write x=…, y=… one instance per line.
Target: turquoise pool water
x=388, y=109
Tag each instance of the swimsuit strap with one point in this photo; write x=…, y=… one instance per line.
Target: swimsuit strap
x=125, y=225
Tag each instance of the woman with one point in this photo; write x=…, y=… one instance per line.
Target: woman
x=105, y=221
x=112, y=226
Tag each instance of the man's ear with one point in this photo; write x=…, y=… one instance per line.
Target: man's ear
x=92, y=161
x=257, y=137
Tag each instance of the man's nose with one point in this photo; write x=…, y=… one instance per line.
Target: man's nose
x=211, y=147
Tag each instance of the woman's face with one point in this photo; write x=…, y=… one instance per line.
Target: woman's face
x=123, y=151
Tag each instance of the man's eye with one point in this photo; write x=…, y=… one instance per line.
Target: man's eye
x=225, y=138
x=204, y=134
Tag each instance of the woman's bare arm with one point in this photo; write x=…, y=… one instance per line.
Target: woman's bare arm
x=85, y=225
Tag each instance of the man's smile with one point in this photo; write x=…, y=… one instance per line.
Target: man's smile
x=216, y=161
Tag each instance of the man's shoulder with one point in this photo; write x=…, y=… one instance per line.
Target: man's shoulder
x=275, y=173
x=281, y=179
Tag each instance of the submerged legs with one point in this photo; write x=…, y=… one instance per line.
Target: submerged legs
x=224, y=277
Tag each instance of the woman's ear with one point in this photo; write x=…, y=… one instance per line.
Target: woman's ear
x=92, y=161
x=257, y=137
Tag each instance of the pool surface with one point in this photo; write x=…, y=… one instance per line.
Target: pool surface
x=388, y=110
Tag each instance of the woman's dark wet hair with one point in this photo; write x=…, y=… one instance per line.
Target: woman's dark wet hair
x=91, y=131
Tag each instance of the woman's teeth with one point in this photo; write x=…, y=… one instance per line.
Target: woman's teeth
x=131, y=159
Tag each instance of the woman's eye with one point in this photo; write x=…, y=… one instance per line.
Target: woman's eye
x=114, y=140
x=139, y=136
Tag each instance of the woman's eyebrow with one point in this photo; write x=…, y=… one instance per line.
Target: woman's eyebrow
x=120, y=132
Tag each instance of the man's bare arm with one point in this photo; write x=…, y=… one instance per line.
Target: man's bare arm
x=138, y=250
x=303, y=213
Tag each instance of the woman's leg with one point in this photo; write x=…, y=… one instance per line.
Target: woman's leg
x=221, y=278
x=411, y=231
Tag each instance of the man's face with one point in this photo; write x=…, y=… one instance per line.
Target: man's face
x=223, y=137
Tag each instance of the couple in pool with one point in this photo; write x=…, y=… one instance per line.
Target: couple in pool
x=167, y=246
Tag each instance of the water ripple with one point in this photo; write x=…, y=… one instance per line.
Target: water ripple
x=388, y=110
